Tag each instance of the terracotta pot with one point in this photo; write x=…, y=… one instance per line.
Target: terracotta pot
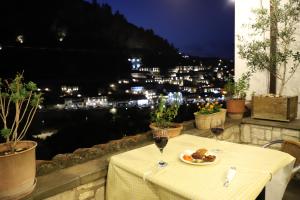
x=203, y=121
x=235, y=106
x=17, y=171
x=174, y=131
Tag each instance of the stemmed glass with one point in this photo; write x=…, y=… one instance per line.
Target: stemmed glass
x=217, y=128
x=161, y=137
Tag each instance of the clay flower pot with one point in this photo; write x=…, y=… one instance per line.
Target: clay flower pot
x=173, y=131
x=203, y=121
x=235, y=108
x=17, y=171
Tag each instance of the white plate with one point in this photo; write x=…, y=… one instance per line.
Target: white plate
x=190, y=152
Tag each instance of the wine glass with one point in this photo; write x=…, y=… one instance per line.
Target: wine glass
x=217, y=128
x=161, y=139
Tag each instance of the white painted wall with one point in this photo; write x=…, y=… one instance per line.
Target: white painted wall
x=259, y=82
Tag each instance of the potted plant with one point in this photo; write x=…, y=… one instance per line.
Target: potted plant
x=163, y=115
x=236, y=95
x=270, y=47
x=19, y=102
x=207, y=112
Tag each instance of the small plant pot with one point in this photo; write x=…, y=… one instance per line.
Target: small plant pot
x=203, y=121
x=173, y=131
x=235, y=108
x=17, y=171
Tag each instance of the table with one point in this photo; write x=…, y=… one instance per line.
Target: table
x=134, y=175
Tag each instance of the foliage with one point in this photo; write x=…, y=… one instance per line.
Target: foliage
x=283, y=19
x=209, y=108
x=164, y=114
x=18, y=104
x=237, y=89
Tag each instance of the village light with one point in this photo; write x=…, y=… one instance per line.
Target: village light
x=20, y=39
x=113, y=110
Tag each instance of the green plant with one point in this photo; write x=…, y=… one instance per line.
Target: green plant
x=237, y=89
x=209, y=108
x=271, y=40
x=164, y=114
x=18, y=105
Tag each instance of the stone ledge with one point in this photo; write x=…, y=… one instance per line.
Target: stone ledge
x=82, y=155
x=294, y=125
x=230, y=123
x=69, y=178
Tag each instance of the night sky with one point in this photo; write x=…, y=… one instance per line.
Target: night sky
x=197, y=27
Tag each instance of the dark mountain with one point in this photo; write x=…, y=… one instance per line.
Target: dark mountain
x=73, y=41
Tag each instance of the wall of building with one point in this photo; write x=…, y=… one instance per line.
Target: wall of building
x=259, y=82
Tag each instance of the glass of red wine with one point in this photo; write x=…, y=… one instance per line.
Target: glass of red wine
x=161, y=139
x=217, y=128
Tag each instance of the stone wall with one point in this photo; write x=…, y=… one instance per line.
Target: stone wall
x=259, y=134
x=91, y=191
x=232, y=133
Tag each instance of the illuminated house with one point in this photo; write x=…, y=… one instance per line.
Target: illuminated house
x=136, y=62
x=69, y=90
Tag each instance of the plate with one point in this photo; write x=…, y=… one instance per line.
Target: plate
x=190, y=152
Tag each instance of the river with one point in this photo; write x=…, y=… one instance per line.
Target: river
x=63, y=131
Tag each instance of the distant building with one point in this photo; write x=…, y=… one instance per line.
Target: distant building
x=69, y=90
x=136, y=62
x=96, y=101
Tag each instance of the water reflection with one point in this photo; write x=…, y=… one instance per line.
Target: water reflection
x=62, y=131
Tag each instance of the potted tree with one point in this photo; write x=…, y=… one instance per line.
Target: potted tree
x=163, y=115
x=19, y=102
x=270, y=47
x=236, y=95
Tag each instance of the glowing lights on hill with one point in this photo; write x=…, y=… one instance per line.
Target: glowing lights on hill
x=136, y=62
x=20, y=39
x=113, y=110
x=69, y=90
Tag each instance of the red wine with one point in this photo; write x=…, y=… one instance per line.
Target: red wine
x=217, y=131
x=161, y=142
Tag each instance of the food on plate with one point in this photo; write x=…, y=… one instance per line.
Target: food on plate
x=200, y=155
x=196, y=156
x=209, y=158
x=202, y=151
x=187, y=157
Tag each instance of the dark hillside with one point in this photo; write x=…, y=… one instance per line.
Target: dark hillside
x=73, y=41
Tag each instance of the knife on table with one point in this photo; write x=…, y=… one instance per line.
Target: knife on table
x=230, y=175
